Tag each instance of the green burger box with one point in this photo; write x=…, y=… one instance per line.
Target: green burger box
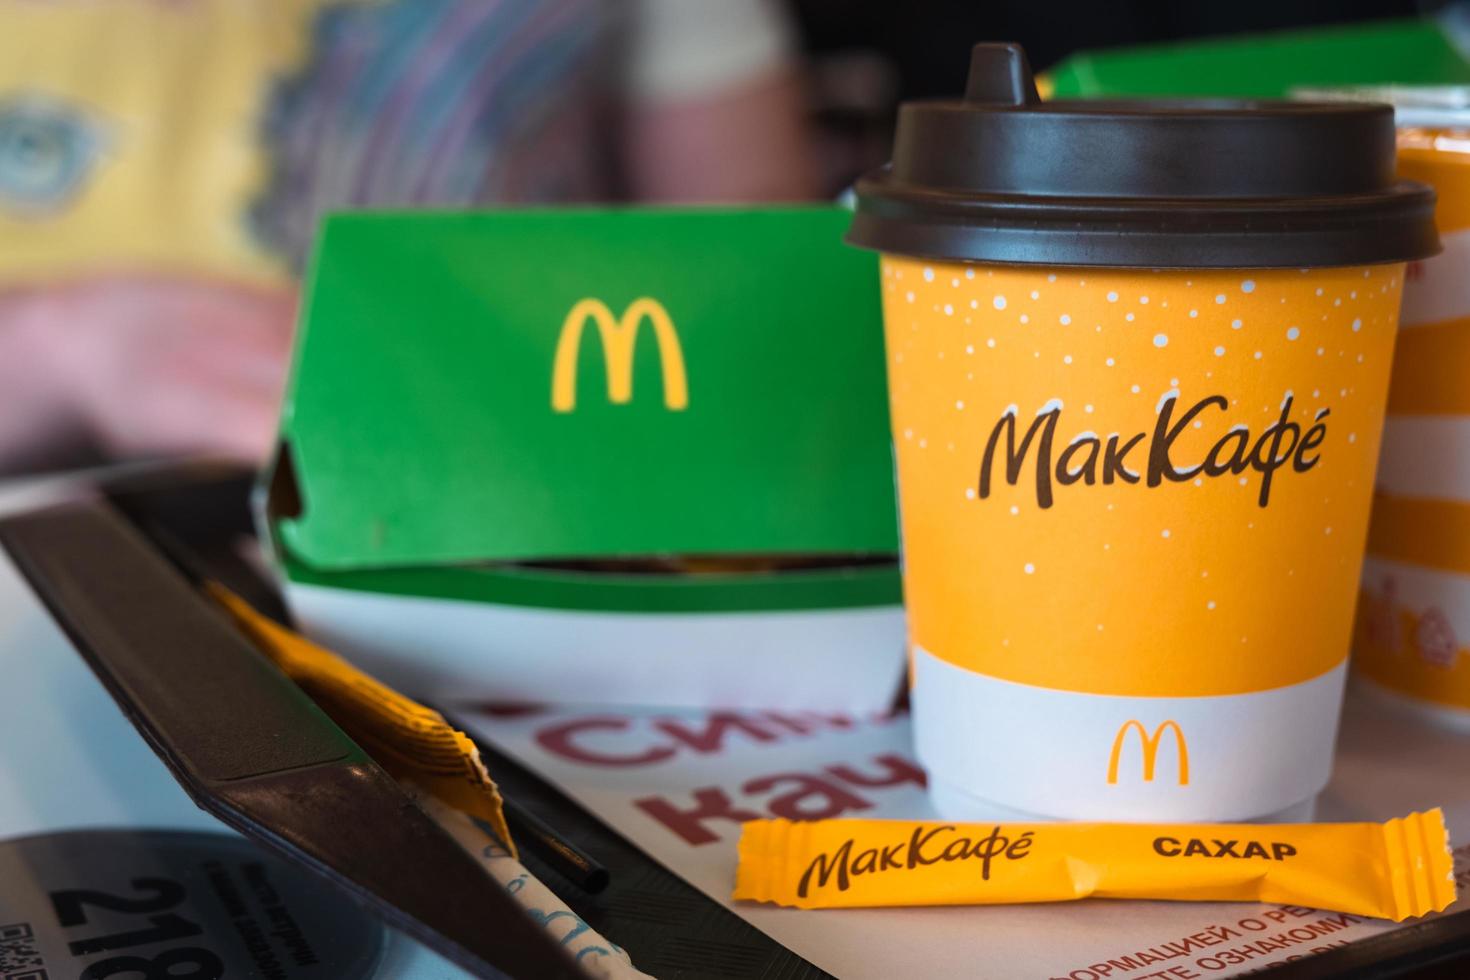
x=599, y=456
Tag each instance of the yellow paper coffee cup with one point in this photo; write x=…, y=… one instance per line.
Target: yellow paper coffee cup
x=1136, y=417
x=1134, y=506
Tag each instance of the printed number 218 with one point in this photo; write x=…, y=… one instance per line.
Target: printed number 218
x=71, y=911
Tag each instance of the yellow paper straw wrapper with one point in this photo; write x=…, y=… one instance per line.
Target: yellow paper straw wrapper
x=1392, y=870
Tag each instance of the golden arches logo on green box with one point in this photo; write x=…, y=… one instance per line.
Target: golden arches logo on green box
x=619, y=336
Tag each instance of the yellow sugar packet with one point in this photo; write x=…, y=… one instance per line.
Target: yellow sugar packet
x=409, y=740
x=1392, y=870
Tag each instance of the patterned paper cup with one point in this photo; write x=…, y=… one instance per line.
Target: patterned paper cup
x=1413, y=637
x=1134, y=507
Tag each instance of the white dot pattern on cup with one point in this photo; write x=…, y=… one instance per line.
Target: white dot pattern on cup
x=1115, y=357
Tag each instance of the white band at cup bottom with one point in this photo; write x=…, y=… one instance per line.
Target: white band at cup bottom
x=1082, y=756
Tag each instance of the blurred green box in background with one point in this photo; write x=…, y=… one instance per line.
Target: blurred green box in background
x=595, y=455
x=1266, y=66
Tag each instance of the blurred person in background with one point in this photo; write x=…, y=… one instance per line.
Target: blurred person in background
x=164, y=163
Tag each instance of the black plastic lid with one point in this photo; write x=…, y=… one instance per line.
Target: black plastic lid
x=1001, y=176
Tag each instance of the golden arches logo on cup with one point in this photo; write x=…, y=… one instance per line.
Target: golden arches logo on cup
x=619, y=336
x=1150, y=746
